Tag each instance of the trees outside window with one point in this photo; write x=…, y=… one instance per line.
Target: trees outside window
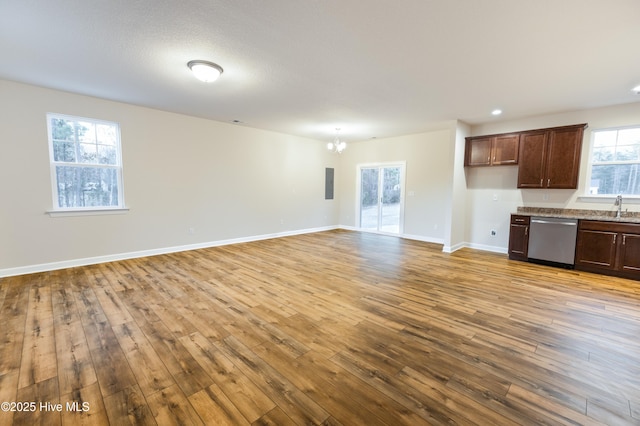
x=615, y=162
x=86, y=163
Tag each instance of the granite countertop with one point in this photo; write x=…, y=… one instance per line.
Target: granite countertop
x=606, y=215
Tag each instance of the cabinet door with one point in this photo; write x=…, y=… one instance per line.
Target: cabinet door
x=629, y=253
x=518, y=241
x=478, y=151
x=596, y=249
x=505, y=150
x=533, y=151
x=563, y=158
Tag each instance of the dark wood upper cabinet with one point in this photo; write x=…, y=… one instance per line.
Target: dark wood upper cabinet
x=506, y=149
x=546, y=158
x=495, y=150
x=563, y=166
x=550, y=158
x=532, y=154
x=478, y=151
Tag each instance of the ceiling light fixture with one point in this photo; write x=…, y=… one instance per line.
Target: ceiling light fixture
x=205, y=71
x=496, y=112
x=337, y=145
x=636, y=90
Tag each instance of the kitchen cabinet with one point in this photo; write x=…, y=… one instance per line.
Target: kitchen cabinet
x=519, y=237
x=550, y=158
x=495, y=150
x=629, y=255
x=609, y=247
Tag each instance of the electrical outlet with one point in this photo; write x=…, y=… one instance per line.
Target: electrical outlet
x=192, y=231
x=493, y=232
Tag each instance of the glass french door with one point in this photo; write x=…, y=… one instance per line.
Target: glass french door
x=380, y=189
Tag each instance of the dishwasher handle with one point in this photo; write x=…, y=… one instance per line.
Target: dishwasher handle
x=549, y=222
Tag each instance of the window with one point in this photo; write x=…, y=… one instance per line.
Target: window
x=615, y=162
x=86, y=163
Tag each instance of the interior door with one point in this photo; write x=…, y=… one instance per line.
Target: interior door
x=381, y=198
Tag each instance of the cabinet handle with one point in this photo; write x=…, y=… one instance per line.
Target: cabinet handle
x=540, y=182
x=614, y=238
x=548, y=181
x=624, y=240
x=519, y=220
x=526, y=231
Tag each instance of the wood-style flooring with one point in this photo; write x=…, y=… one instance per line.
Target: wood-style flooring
x=335, y=328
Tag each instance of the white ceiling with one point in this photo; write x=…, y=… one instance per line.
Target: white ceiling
x=374, y=68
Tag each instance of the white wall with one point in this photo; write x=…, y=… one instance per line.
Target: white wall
x=456, y=225
x=492, y=193
x=428, y=159
x=236, y=183
x=225, y=181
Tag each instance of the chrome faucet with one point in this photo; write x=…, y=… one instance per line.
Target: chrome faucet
x=619, y=204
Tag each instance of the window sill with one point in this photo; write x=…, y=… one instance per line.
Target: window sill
x=606, y=199
x=87, y=212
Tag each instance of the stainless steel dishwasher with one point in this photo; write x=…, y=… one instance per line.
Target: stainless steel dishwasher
x=553, y=239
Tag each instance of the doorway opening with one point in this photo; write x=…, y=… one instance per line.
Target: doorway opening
x=381, y=197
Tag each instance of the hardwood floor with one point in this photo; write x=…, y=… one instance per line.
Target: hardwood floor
x=335, y=328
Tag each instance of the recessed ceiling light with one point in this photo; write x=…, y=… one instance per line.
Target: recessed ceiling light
x=636, y=90
x=205, y=71
x=496, y=112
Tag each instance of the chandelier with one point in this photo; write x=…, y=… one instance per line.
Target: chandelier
x=337, y=145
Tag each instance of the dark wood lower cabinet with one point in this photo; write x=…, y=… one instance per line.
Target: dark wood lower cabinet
x=596, y=249
x=609, y=247
x=519, y=237
x=630, y=254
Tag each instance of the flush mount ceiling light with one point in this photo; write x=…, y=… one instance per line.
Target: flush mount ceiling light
x=636, y=90
x=496, y=112
x=205, y=71
x=337, y=145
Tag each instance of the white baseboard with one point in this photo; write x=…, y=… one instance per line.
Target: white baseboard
x=407, y=236
x=483, y=247
x=423, y=238
x=44, y=267
x=455, y=247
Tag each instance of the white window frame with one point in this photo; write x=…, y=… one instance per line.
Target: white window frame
x=403, y=173
x=604, y=198
x=57, y=210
